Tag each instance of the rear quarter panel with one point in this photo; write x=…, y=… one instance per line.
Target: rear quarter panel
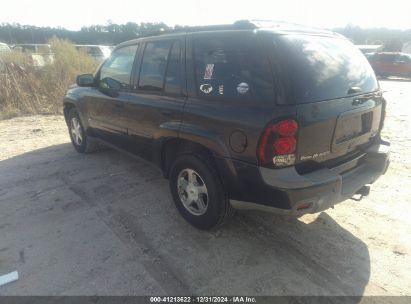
x=230, y=128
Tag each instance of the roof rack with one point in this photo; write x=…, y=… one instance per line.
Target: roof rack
x=283, y=26
x=238, y=25
x=280, y=26
x=251, y=24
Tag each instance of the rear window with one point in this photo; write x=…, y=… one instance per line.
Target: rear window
x=323, y=68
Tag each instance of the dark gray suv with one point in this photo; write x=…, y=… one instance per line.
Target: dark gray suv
x=239, y=116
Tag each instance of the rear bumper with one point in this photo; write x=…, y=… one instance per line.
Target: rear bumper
x=286, y=191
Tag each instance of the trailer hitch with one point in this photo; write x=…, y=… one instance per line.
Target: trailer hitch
x=364, y=191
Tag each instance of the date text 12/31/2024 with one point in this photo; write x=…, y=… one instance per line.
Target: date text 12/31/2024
x=203, y=299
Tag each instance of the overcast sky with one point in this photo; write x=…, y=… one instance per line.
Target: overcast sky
x=73, y=14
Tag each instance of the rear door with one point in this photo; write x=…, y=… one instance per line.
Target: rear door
x=336, y=95
x=154, y=111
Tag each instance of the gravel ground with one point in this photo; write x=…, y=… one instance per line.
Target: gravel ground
x=105, y=224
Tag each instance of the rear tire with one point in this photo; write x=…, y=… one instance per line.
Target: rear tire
x=81, y=142
x=198, y=192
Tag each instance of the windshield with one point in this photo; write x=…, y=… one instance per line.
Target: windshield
x=322, y=68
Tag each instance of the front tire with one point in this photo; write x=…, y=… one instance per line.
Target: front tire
x=198, y=192
x=81, y=142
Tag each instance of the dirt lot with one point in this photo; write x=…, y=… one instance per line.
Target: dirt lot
x=105, y=224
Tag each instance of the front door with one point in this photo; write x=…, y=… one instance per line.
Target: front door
x=106, y=104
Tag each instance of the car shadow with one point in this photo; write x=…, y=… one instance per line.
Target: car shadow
x=252, y=254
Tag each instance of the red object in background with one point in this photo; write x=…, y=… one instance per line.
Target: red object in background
x=391, y=64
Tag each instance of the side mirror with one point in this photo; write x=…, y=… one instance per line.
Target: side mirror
x=85, y=80
x=109, y=86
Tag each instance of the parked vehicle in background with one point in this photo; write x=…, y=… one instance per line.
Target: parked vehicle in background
x=406, y=48
x=98, y=52
x=390, y=64
x=369, y=48
x=272, y=118
x=4, y=48
x=39, y=54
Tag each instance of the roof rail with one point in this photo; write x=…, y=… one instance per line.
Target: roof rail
x=238, y=25
x=242, y=25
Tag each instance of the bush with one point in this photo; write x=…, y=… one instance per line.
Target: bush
x=25, y=89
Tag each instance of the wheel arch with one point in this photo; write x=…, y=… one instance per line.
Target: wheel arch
x=72, y=101
x=174, y=147
x=67, y=106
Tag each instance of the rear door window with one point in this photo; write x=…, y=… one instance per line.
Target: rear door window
x=322, y=68
x=154, y=65
x=231, y=67
x=173, y=76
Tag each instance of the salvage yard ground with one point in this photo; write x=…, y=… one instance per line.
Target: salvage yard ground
x=105, y=224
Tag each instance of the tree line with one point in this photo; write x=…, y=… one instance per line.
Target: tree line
x=111, y=34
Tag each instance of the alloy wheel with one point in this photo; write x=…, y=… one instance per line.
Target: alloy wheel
x=76, y=131
x=192, y=191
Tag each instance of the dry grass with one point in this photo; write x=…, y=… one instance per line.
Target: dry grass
x=25, y=89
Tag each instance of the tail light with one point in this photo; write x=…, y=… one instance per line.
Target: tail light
x=278, y=144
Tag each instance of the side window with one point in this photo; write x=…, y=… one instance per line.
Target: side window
x=404, y=58
x=396, y=58
x=388, y=58
x=115, y=72
x=232, y=67
x=153, y=66
x=173, y=84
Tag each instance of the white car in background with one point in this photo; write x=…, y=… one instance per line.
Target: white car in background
x=406, y=48
x=98, y=52
x=4, y=48
x=40, y=54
